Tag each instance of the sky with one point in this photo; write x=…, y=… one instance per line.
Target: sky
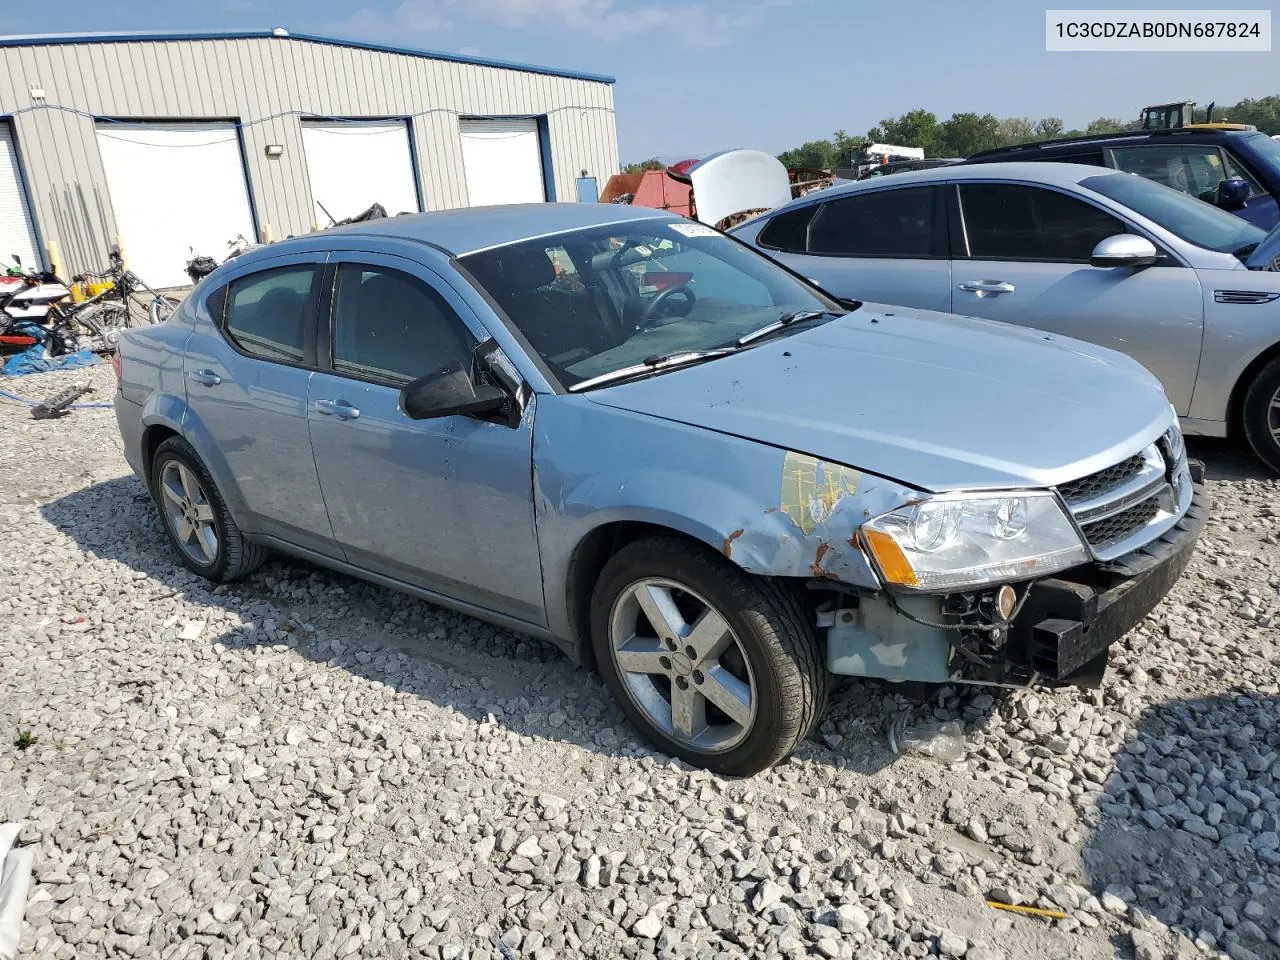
x=704, y=75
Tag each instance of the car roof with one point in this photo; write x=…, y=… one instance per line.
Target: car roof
x=1054, y=174
x=1068, y=144
x=470, y=229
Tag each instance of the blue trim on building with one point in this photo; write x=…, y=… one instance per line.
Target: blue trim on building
x=548, y=170
x=119, y=36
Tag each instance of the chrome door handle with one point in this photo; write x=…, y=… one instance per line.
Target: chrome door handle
x=206, y=378
x=336, y=408
x=985, y=287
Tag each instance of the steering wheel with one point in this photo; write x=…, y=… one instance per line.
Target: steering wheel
x=651, y=308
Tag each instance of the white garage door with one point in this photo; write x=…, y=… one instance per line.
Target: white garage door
x=16, y=233
x=353, y=165
x=503, y=160
x=174, y=187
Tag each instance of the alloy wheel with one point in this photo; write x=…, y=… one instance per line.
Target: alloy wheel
x=682, y=664
x=1273, y=417
x=188, y=512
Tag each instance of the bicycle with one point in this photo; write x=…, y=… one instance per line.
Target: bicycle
x=112, y=309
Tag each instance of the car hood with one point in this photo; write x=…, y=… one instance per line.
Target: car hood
x=935, y=401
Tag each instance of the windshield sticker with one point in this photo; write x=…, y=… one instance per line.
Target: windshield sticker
x=812, y=488
x=693, y=229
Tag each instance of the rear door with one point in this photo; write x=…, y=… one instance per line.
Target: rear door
x=1022, y=256
x=887, y=246
x=446, y=504
x=246, y=379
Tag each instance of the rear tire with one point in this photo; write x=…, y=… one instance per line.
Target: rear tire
x=769, y=673
x=1262, y=415
x=196, y=518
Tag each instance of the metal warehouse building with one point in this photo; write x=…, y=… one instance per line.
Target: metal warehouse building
x=180, y=141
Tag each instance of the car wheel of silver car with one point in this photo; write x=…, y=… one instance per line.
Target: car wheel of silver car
x=196, y=517
x=1262, y=415
x=715, y=666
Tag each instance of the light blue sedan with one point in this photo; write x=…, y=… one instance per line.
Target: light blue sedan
x=1188, y=290
x=640, y=439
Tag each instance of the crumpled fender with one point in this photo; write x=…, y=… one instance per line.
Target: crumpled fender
x=772, y=512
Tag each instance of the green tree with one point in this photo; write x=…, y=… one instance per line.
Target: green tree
x=644, y=165
x=918, y=128
x=1263, y=113
x=1015, y=130
x=1112, y=125
x=1049, y=128
x=967, y=133
x=820, y=154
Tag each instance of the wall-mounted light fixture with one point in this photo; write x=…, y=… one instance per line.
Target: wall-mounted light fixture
x=275, y=149
x=37, y=92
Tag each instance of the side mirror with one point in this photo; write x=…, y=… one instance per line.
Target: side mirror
x=1124, y=250
x=450, y=393
x=1232, y=194
x=16, y=259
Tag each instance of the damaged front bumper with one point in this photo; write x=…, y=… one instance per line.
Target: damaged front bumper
x=1061, y=633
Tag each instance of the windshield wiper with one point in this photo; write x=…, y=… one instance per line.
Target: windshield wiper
x=1246, y=249
x=652, y=364
x=782, y=322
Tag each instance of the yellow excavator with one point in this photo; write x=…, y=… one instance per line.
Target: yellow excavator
x=1182, y=113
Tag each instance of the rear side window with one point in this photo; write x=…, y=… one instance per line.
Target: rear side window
x=787, y=230
x=1009, y=222
x=885, y=223
x=268, y=314
x=393, y=328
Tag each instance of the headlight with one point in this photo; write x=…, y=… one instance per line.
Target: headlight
x=960, y=541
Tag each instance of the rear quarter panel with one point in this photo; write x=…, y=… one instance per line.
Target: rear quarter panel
x=152, y=388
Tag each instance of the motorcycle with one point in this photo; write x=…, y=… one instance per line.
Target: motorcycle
x=200, y=266
x=26, y=299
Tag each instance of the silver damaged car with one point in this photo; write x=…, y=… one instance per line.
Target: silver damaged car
x=633, y=436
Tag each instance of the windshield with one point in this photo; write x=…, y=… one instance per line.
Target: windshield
x=600, y=299
x=1193, y=220
x=1265, y=148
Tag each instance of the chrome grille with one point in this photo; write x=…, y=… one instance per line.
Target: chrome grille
x=1096, y=484
x=1127, y=505
x=1120, y=526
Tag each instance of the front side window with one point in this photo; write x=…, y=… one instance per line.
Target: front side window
x=883, y=223
x=392, y=328
x=1193, y=169
x=1006, y=221
x=268, y=314
x=597, y=300
x=1199, y=223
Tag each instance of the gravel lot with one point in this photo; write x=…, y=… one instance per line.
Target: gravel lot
x=302, y=765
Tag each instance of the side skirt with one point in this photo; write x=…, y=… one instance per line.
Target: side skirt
x=480, y=613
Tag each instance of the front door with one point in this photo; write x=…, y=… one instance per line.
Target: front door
x=246, y=377
x=446, y=504
x=1024, y=259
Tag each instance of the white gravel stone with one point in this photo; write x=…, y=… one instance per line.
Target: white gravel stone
x=329, y=768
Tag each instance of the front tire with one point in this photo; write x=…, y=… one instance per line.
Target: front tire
x=1262, y=415
x=196, y=518
x=714, y=666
